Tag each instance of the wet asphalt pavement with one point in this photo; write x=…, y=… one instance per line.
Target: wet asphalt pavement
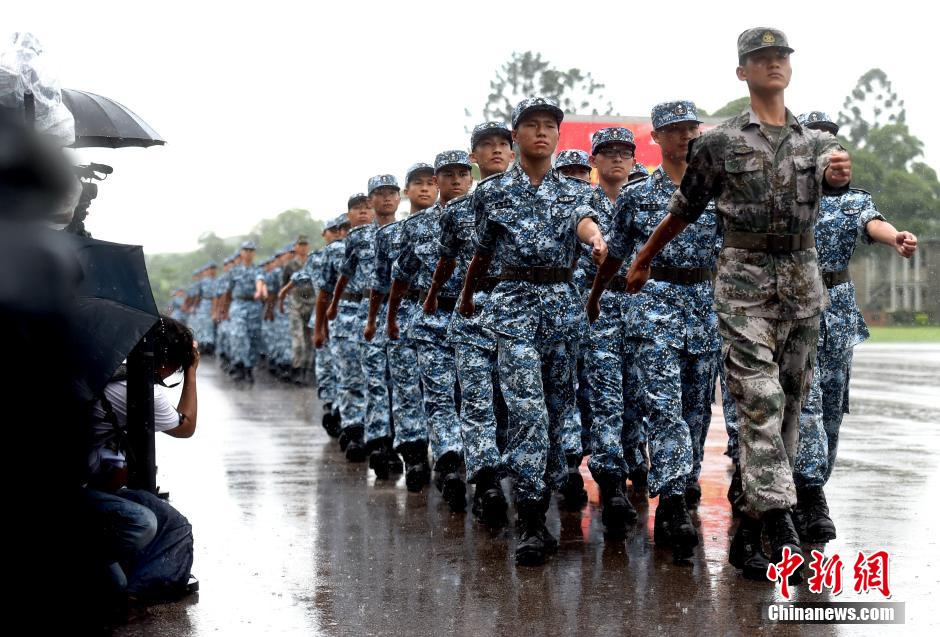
x=293, y=540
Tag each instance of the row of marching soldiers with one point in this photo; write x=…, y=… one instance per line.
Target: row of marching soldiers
x=499, y=333
x=240, y=316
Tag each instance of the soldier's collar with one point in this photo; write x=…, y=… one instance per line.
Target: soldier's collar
x=749, y=117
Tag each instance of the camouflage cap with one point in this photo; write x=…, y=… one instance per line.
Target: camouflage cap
x=486, y=129
x=382, y=181
x=535, y=104
x=572, y=157
x=302, y=239
x=356, y=198
x=761, y=38
x=249, y=245
x=211, y=264
x=452, y=158
x=336, y=222
x=818, y=119
x=666, y=113
x=612, y=135
x=419, y=167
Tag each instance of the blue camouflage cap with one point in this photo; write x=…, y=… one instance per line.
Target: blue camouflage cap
x=534, y=104
x=382, y=181
x=211, y=264
x=666, y=113
x=356, y=198
x=249, y=245
x=572, y=157
x=337, y=222
x=419, y=167
x=486, y=129
x=452, y=158
x=818, y=119
x=612, y=135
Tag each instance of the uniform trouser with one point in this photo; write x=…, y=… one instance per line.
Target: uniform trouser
x=635, y=426
x=821, y=418
x=326, y=379
x=439, y=377
x=537, y=381
x=677, y=395
x=378, y=398
x=281, y=334
x=769, y=367
x=245, y=332
x=300, y=332
x=205, y=327
x=221, y=336
x=583, y=399
x=572, y=424
x=350, y=383
x=476, y=371
x=731, y=414
x=407, y=412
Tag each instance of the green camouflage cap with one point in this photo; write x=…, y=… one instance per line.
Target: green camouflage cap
x=761, y=38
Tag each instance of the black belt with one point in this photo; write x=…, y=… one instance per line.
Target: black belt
x=536, y=275
x=351, y=296
x=444, y=303
x=681, y=276
x=770, y=243
x=616, y=284
x=245, y=298
x=412, y=295
x=832, y=279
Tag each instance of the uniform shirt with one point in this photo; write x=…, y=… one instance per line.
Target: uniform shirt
x=272, y=280
x=221, y=284
x=522, y=225
x=303, y=291
x=678, y=315
x=761, y=183
x=306, y=274
x=604, y=209
x=387, y=247
x=359, y=261
x=842, y=220
x=457, y=242
x=242, y=281
x=346, y=323
x=420, y=251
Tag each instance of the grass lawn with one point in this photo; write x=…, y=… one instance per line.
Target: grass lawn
x=904, y=334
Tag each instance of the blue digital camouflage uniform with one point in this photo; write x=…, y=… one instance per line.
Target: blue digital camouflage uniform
x=204, y=326
x=842, y=221
x=323, y=361
x=222, y=329
x=537, y=325
x=481, y=421
x=344, y=335
x=245, y=314
x=415, y=264
x=675, y=330
x=407, y=413
x=176, y=308
x=279, y=347
x=359, y=267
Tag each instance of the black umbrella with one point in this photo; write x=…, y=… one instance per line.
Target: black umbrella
x=102, y=122
x=114, y=309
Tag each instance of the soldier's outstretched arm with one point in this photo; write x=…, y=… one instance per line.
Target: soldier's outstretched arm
x=320, y=334
x=400, y=288
x=341, y=284
x=605, y=272
x=442, y=273
x=590, y=234
x=665, y=232
x=904, y=243
x=479, y=266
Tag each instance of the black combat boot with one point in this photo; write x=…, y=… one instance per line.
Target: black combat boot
x=379, y=451
x=249, y=375
x=417, y=467
x=661, y=524
x=449, y=482
x=682, y=535
x=811, y=516
x=746, y=552
x=778, y=525
x=355, y=447
x=238, y=372
x=297, y=376
x=617, y=511
x=736, y=492
x=639, y=475
x=573, y=490
x=489, y=503
x=693, y=495
x=531, y=549
x=329, y=420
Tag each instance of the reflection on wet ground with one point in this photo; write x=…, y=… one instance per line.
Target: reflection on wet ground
x=290, y=539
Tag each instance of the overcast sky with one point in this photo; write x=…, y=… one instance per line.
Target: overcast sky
x=278, y=105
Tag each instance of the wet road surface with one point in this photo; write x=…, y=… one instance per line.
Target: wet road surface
x=293, y=540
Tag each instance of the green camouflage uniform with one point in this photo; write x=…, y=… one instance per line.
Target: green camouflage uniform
x=768, y=297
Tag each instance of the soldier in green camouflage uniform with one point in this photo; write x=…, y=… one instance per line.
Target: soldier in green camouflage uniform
x=766, y=174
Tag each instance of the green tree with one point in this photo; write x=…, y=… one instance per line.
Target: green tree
x=526, y=74
x=732, y=108
x=885, y=155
